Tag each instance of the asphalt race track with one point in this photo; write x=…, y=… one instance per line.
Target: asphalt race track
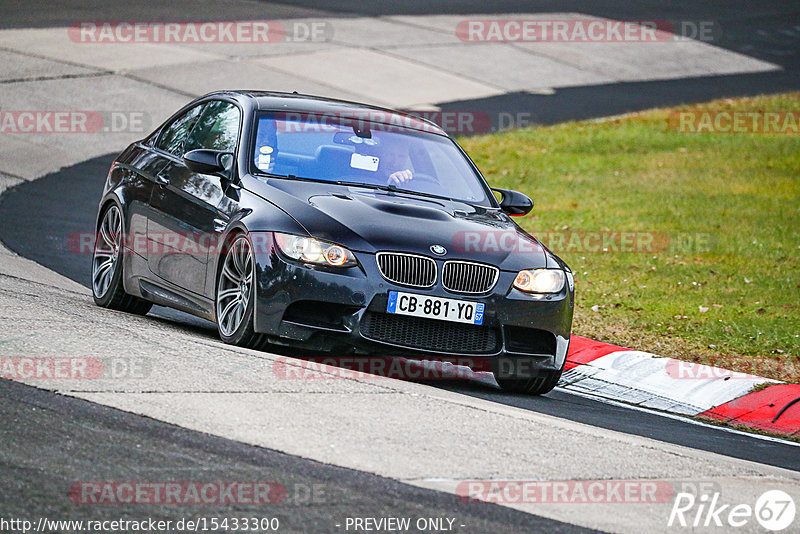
x=88, y=433
x=761, y=29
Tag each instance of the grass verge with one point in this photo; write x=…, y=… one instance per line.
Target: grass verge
x=721, y=280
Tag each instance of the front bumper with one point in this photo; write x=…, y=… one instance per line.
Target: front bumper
x=344, y=310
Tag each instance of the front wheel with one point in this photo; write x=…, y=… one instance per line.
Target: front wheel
x=236, y=295
x=107, y=277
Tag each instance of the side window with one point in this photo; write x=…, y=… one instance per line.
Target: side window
x=216, y=129
x=173, y=137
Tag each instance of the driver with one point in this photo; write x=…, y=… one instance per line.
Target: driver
x=394, y=163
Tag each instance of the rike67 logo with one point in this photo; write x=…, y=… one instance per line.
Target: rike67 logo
x=774, y=510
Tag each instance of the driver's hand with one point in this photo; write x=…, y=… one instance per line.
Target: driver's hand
x=399, y=177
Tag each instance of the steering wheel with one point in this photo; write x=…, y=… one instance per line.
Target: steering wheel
x=422, y=177
x=418, y=178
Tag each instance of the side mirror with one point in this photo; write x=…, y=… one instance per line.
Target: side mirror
x=514, y=203
x=205, y=161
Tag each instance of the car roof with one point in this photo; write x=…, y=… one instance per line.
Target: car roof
x=296, y=102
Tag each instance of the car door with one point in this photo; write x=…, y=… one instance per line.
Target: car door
x=140, y=173
x=184, y=223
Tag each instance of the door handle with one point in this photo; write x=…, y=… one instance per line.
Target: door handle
x=220, y=225
x=162, y=180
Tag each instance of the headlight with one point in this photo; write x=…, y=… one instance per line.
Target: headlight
x=540, y=280
x=310, y=250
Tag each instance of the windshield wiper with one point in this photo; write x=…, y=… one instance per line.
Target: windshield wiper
x=387, y=188
x=394, y=189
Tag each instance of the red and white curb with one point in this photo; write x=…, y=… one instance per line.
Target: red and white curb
x=649, y=381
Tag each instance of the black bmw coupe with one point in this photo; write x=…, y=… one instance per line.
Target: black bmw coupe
x=331, y=226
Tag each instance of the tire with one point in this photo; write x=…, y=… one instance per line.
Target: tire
x=108, y=289
x=235, y=295
x=543, y=383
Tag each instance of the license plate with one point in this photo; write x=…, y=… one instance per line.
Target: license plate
x=457, y=311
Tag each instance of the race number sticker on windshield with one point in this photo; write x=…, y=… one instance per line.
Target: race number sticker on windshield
x=458, y=311
x=365, y=163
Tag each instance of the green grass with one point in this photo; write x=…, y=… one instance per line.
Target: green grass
x=728, y=203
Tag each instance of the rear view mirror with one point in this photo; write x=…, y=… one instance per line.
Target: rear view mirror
x=346, y=138
x=514, y=203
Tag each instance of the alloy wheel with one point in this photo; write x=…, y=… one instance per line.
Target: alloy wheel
x=234, y=287
x=106, y=251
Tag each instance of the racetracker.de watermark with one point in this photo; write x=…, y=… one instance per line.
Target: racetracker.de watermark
x=73, y=368
x=735, y=122
x=585, y=30
x=177, y=493
x=565, y=491
x=200, y=32
x=452, y=121
x=379, y=367
x=73, y=122
x=719, y=368
x=581, y=241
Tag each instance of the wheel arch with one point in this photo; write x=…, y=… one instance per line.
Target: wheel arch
x=110, y=199
x=225, y=241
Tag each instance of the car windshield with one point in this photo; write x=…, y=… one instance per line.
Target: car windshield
x=360, y=152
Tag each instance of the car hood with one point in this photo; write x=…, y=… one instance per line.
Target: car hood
x=369, y=220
